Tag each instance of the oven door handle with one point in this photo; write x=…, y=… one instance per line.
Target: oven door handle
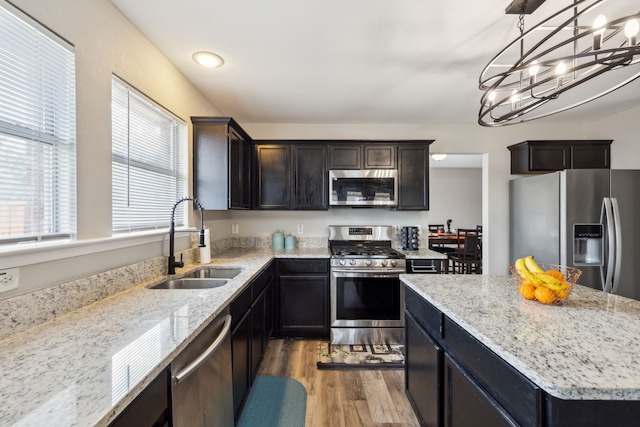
x=367, y=273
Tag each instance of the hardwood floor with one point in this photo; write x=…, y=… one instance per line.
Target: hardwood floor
x=340, y=398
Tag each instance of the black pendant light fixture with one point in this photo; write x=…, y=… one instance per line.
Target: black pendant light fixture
x=585, y=50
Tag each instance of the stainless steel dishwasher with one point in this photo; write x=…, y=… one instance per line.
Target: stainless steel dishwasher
x=201, y=379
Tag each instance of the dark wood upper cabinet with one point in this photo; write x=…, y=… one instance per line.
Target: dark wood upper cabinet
x=273, y=176
x=531, y=157
x=310, y=179
x=291, y=175
x=379, y=156
x=368, y=155
x=221, y=163
x=344, y=156
x=413, y=176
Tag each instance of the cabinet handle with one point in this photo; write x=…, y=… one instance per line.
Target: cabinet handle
x=191, y=367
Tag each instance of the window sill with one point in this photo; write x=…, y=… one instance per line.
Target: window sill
x=19, y=255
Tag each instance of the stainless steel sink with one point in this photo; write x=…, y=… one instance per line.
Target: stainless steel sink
x=191, y=283
x=214, y=273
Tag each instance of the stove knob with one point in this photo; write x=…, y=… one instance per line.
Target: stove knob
x=343, y=262
x=367, y=262
x=394, y=263
x=383, y=262
x=352, y=261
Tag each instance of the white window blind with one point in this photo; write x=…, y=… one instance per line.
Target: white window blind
x=37, y=131
x=148, y=162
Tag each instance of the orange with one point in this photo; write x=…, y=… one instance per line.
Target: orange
x=556, y=274
x=545, y=295
x=527, y=290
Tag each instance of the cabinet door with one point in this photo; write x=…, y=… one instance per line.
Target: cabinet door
x=304, y=304
x=413, y=177
x=240, y=351
x=210, y=164
x=273, y=177
x=549, y=158
x=310, y=177
x=423, y=373
x=590, y=156
x=468, y=405
x=379, y=157
x=239, y=171
x=268, y=312
x=345, y=156
x=150, y=408
x=257, y=333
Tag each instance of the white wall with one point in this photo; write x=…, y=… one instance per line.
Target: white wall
x=105, y=43
x=456, y=194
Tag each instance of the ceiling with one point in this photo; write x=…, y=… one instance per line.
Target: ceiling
x=336, y=61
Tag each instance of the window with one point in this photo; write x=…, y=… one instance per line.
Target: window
x=37, y=131
x=148, y=162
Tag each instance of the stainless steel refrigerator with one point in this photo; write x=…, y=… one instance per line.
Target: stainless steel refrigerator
x=584, y=218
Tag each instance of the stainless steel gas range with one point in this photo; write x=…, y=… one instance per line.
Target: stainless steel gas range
x=367, y=297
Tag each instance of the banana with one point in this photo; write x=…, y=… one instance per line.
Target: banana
x=532, y=265
x=522, y=270
x=542, y=277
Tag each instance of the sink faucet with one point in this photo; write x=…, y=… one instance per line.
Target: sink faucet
x=172, y=231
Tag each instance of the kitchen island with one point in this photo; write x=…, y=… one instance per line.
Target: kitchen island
x=85, y=367
x=521, y=362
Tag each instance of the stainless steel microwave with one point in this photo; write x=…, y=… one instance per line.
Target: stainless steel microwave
x=368, y=187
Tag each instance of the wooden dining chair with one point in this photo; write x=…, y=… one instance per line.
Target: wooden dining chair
x=466, y=259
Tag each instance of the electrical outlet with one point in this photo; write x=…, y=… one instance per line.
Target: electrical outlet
x=235, y=228
x=300, y=229
x=9, y=279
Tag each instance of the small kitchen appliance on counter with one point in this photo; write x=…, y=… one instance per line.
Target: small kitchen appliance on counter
x=366, y=295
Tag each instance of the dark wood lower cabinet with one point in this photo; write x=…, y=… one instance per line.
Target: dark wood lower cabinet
x=150, y=408
x=252, y=324
x=466, y=404
x=240, y=351
x=423, y=373
x=303, y=298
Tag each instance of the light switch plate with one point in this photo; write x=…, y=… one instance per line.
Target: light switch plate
x=300, y=229
x=235, y=228
x=9, y=279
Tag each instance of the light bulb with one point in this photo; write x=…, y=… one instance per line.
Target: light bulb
x=600, y=23
x=208, y=59
x=534, y=68
x=492, y=97
x=561, y=68
x=515, y=97
x=631, y=29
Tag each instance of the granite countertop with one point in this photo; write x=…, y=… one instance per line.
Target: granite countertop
x=423, y=254
x=586, y=349
x=85, y=367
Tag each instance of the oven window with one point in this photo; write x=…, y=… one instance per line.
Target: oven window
x=359, y=298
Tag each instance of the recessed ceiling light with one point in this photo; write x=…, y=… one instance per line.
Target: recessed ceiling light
x=438, y=157
x=208, y=59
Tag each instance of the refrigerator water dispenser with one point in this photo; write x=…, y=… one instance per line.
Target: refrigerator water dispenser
x=587, y=245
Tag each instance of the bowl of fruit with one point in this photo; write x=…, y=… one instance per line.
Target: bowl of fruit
x=545, y=283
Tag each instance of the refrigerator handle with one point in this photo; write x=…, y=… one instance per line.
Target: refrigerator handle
x=618, y=238
x=607, y=267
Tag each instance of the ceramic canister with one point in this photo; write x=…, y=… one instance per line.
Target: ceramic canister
x=290, y=242
x=277, y=240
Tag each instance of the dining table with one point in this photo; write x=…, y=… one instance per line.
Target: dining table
x=439, y=239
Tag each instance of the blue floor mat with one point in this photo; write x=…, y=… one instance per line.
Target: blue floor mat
x=274, y=402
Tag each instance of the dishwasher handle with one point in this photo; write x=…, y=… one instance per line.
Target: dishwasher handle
x=191, y=367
